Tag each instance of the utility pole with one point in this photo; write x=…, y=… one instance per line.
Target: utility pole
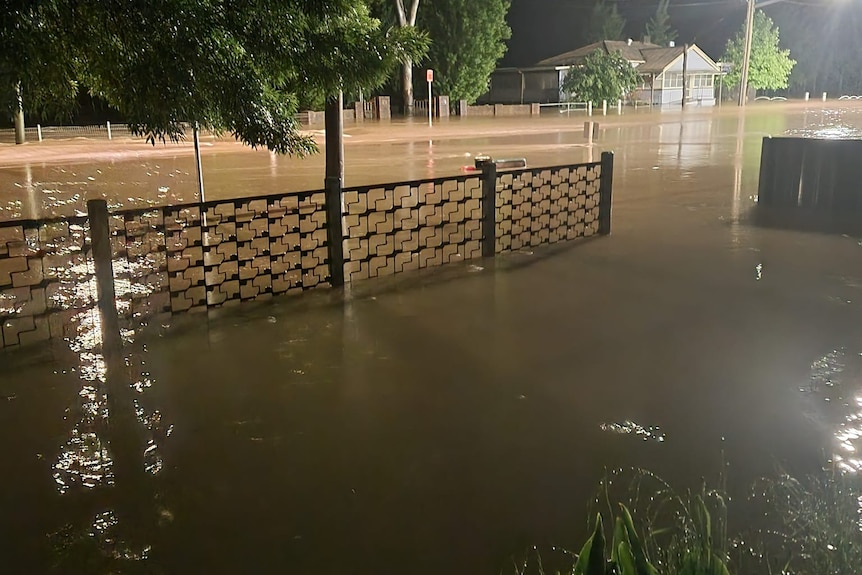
x=746, y=55
x=684, y=74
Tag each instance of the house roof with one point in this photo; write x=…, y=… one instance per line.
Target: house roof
x=649, y=58
x=631, y=52
x=657, y=59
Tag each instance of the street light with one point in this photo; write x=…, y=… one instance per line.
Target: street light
x=746, y=54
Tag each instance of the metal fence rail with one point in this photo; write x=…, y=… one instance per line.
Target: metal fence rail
x=182, y=258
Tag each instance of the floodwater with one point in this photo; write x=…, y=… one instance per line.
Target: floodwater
x=443, y=422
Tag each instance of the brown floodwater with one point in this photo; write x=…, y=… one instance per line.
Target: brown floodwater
x=443, y=422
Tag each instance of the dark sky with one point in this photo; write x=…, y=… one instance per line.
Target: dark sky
x=543, y=28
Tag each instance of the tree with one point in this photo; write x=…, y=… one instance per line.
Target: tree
x=658, y=28
x=770, y=66
x=225, y=65
x=407, y=19
x=467, y=39
x=605, y=23
x=601, y=76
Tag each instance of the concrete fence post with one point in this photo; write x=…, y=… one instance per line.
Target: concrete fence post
x=619, y=107
x=606, y=188
x=604, y=107
x=108, y=124
x=824, y=96
x=589, y=108
x=807, y=96
x=39, y=131
x=489, y=209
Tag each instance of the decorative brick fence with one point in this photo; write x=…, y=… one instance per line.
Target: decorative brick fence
x=177, y=259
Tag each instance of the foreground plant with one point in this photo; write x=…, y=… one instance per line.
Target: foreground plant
x=813, y=525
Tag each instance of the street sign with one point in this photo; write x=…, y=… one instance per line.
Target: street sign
x=429, y=75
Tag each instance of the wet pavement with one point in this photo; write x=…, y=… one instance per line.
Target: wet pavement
x=442, y=422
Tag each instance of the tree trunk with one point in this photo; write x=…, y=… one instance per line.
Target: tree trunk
x=407, y=86
x=405, y=19
x=20, y=136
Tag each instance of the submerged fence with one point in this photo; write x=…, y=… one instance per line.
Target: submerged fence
x=194, y=257
x=811, y=173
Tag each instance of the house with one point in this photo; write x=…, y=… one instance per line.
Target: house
x=662, y=78
x=660, y=69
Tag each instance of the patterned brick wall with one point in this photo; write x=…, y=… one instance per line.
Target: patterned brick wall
x=394, y=228
x=547, y=205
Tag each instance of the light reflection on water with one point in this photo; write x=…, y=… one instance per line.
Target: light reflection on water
x=628, y=427
x=87, y=460
x=835, y=381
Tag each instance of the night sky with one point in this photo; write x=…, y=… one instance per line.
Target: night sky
x=543, y=28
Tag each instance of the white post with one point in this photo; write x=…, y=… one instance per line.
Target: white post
x=109, y=130
x=604, y=107
x=590, y=108
x=807, y=96
x=619, y=107
x=824, y=96
x=39, y=131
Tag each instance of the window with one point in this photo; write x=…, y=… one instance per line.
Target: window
x=695, y=81
x=673, y=80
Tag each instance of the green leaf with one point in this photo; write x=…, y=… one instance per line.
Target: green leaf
x=703, y=521
x=643, y=565
x=620, y=537
x=591, y=559
x=596, y=562
x=580, y=567
x=625, y=560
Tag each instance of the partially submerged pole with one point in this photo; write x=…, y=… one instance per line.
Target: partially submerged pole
x=684, y=74
x=123, y=430
x=333, y=184
x=197, y=141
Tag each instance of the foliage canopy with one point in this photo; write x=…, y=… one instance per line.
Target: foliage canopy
x=227, y=65
x=601, y=76
x=468, y=37
x=770, y=66
x=605, y=23
x=658, y=28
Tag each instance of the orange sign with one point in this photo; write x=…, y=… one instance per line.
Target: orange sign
x=429, y=75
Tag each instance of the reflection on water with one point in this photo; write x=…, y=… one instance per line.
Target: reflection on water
x=87, y=460
x=631, y=428
x=836, y=380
